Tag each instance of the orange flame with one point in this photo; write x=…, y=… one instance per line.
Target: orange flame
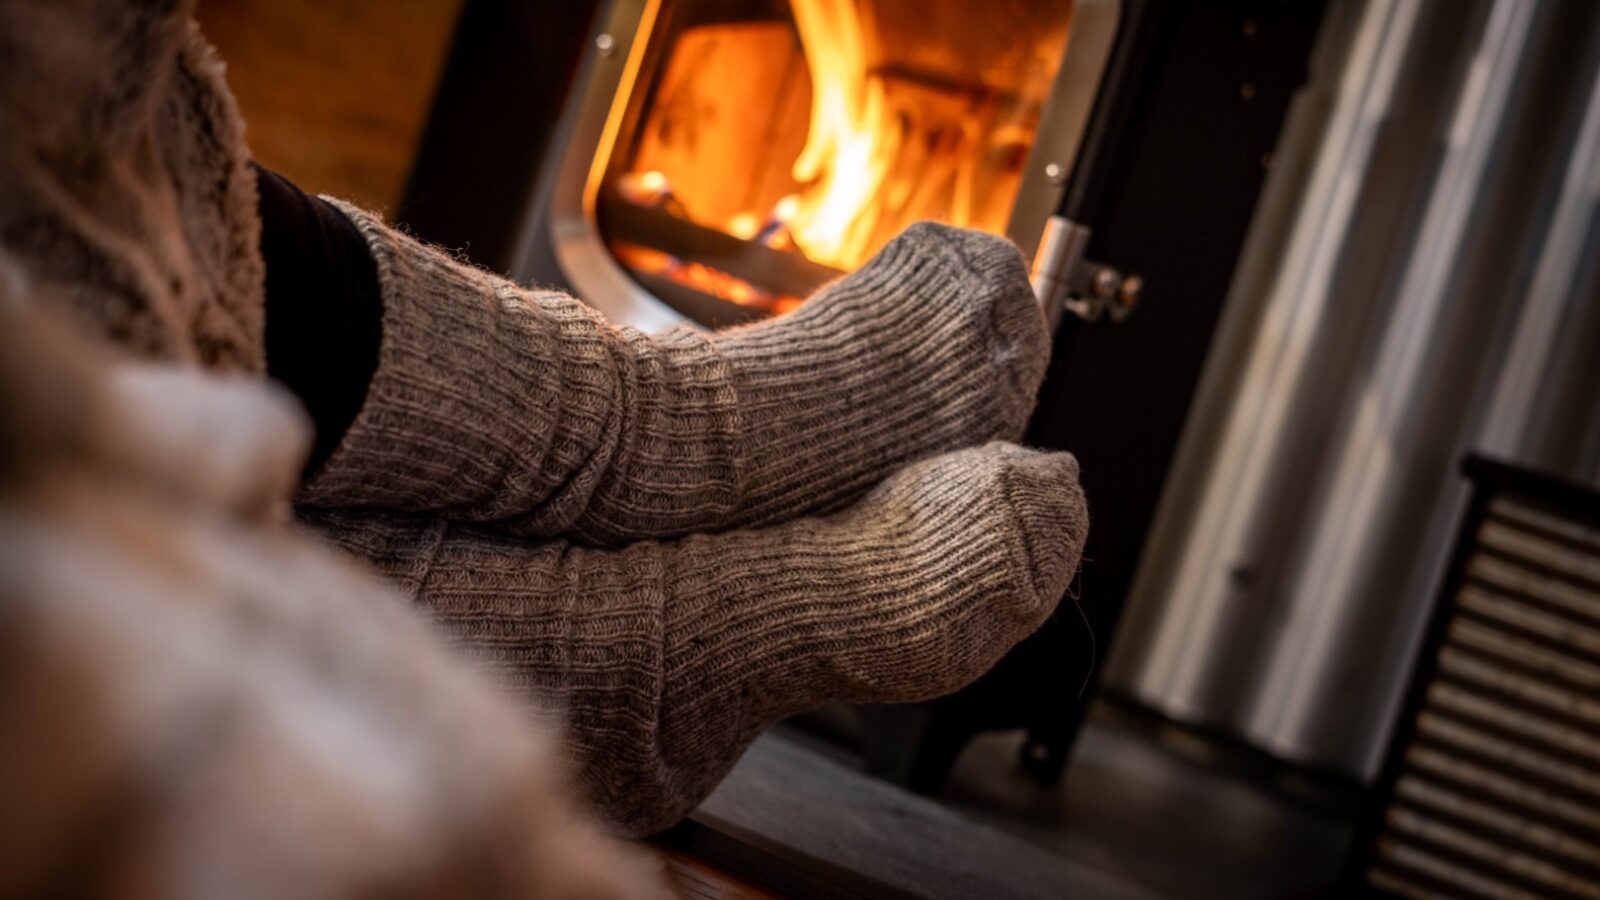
x=882, y=113
x=850, y=145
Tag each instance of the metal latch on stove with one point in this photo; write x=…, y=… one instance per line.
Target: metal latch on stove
x=1065, y=281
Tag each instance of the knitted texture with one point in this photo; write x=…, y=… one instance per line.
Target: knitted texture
x=125, y=188
x=528, y=409
x=669, y=658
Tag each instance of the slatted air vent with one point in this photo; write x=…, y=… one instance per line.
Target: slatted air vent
x=1493, y=785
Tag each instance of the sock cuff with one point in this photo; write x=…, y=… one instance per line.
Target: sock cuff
x=467, y=408
x=528, y=409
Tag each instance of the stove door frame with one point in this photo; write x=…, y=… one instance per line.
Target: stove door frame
x=607, y=77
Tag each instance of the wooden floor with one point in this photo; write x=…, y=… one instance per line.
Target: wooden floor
x=695, y=878
x=802, y=823
x=1144, y=811
x=1174, y=812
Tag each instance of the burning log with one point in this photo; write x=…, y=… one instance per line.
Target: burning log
x=655, y=242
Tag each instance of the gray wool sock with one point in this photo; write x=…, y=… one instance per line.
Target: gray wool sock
x=669, y=658
x=528, y=409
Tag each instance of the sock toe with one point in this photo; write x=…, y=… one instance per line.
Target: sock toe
x=995, y=279
x=1021, y=339
x=1052, y=520
x=990, y=538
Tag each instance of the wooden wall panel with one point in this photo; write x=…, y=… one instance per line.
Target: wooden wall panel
x=334, y=92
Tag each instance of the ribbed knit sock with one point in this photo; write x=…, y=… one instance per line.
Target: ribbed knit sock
x=669, y=658
x=492, y=403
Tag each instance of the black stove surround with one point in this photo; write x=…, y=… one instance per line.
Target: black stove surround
x=1177, y=151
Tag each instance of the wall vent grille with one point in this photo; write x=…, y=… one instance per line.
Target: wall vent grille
x=1492, y=783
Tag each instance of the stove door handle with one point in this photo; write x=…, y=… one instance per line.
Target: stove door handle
x=1065, y=280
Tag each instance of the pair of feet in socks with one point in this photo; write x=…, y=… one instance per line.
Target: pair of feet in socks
x=678, y=537
x=857, y=528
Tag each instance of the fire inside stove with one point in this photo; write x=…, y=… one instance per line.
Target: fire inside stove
x=777, y=144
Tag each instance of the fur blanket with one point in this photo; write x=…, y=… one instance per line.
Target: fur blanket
x=198, y=701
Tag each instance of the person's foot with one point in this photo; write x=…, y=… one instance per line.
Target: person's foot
x=937, y=343
x=669, y=658
x=529, y=410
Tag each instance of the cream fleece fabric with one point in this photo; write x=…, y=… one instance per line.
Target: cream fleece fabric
x=200, y=702
x=528, y=409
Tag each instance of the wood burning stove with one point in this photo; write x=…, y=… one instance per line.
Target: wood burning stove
x=727, y=157
x=689, y=160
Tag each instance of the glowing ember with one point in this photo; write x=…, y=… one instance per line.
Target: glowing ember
x=644, y=188
x=702, y=278
x=744, y=226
